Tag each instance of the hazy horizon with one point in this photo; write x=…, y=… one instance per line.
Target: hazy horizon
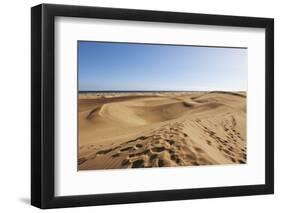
x=108, y=66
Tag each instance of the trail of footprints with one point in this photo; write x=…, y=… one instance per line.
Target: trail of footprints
x=168, y=146
x=233, y=147
x=172, y=146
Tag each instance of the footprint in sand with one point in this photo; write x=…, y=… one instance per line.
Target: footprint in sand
x=81, y=160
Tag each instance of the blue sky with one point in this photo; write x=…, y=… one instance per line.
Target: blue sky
x=128, y=66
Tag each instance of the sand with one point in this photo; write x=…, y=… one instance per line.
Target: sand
x=136, y=130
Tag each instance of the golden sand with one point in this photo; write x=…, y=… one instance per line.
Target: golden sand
x=136, y=130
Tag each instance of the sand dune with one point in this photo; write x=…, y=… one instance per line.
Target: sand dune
x=135, y=130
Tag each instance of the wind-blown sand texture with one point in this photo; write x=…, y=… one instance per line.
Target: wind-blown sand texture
x=136, y=130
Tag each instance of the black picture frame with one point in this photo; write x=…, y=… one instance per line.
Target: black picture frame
x=43, y=102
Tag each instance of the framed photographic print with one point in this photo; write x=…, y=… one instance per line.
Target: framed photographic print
x=139, y=106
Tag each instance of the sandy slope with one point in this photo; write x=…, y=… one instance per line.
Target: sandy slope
x=161, y=129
